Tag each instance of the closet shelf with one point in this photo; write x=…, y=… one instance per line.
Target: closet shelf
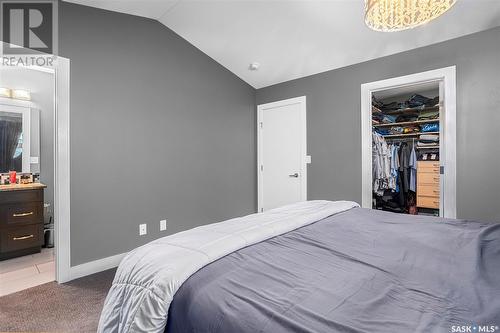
x=405, y=123
x=412, y=110
x=407, y=134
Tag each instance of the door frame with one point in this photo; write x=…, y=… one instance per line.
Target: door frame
x=61, y=72
x=62, y=193
x=303, y=149
x=448, y=142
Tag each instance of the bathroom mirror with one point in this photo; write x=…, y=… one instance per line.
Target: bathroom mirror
x=18, y=125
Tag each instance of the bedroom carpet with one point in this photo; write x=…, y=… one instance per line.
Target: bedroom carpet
x=71, y=307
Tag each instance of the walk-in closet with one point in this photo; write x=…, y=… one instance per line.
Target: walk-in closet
x=406, y=147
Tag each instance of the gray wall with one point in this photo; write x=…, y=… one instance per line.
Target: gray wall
x=333, y=115
x=158, y=130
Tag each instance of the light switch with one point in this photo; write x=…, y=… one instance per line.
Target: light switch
x=163, y=225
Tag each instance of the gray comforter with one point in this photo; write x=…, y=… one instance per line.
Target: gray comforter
x=357, y=271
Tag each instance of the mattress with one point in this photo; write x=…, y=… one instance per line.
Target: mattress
x=347, y=269
x=357, y=271
x=149, y=276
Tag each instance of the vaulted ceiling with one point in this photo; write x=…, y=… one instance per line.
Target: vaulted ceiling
x=295, y=38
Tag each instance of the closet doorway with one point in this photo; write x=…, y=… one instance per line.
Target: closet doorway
x=409, y=143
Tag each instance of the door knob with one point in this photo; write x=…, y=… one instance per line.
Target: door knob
x=295, y=175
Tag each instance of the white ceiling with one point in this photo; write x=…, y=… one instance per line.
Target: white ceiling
x=296, y=38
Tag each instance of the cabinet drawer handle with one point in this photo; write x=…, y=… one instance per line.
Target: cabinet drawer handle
x=22, y=237
x=22, y=214
x=436, y=202
x=436, y=178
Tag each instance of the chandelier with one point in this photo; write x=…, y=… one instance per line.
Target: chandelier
x=397, y=15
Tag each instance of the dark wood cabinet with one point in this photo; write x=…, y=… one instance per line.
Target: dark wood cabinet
x=21, y=220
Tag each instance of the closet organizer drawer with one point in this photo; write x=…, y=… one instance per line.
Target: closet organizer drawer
x=428, y=190
x=427, y=178
x=21, y=237
x=428, y=167
x=427, y=202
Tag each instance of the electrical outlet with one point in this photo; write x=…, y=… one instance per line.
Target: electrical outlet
x=143, y=229
x=163, y=225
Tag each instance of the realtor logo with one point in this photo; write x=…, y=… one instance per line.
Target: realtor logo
x=28, y=25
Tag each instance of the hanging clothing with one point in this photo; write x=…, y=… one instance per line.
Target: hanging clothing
x=404, y=165
x=413, y=170
x=393, y=181
x=381, y=164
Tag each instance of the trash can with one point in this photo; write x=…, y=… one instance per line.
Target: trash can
x=48, y=235
x=48, y=227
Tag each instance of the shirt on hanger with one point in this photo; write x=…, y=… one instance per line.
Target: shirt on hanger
x=413, y=170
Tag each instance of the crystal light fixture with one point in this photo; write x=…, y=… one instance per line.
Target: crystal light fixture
x=397, y=15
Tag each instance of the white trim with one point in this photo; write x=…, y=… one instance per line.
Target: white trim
x=25, y=111
x=95, y=266
x=62, y=171
x=303, y=118
x=448, y=154
x=448, y=124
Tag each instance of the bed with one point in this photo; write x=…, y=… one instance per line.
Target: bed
x=316, y=266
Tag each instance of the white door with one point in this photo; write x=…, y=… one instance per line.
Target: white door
x=282, y=172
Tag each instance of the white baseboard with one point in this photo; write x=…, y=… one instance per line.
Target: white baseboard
x=95, y=266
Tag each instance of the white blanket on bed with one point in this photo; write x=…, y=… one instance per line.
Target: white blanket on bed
x=149, y=276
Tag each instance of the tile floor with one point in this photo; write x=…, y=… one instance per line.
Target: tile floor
x=26, y=272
